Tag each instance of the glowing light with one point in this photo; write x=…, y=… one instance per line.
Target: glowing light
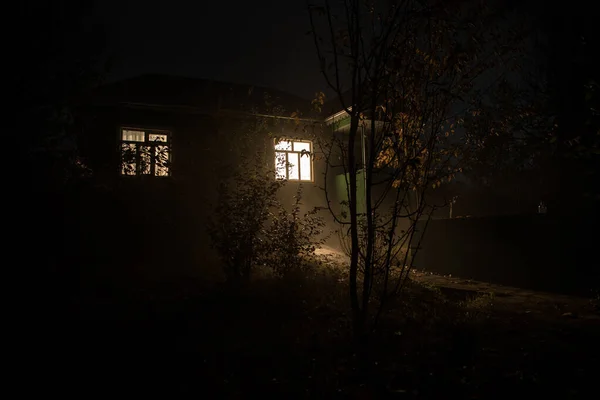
x=305, y=167
x=280, y=165
x=133, y=136
x=293, y=166
x=145, y=153
x=293, y=160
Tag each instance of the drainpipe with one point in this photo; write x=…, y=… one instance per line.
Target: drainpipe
x=364, y=160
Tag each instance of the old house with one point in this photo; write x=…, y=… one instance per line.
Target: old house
x=158, y=146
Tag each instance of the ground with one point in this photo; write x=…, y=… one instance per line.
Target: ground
x=289, y=337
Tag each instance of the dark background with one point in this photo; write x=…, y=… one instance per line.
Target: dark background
x=261, y=42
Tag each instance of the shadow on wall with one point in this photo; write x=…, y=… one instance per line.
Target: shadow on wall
x=538, y=252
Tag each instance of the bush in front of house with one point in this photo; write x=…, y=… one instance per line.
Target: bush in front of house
x=250, y=226
x=291, y=238
x=237, y=223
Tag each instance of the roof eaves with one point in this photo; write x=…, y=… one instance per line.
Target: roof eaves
x=224, y=112
x=163, y=107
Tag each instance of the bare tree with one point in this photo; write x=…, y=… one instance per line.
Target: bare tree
x=406, y=73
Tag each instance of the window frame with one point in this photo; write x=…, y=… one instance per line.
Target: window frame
x=150, y=144
x=276, y=141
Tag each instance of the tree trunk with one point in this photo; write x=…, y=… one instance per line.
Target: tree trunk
x=354, y=253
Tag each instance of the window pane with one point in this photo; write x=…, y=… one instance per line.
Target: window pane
x=145, y=160
x=161, y=167
x=300, y=146
x=154, y=137
x=280, y=165
x=293, y=167
x=128, y=159
x=133, y=136
x=283, y=145
x=305, y=167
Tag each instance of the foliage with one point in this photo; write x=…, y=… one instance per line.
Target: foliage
x=478, y=307
x=61, y=57
x=236, y=229
x=54, y=61
x=406, y=73
x=250, y=225
x=247, y=193
x=545, y=117
x=291, y=238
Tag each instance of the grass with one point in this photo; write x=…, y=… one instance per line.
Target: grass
x=290, y=337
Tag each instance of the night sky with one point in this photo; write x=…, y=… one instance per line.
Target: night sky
x=261, y=42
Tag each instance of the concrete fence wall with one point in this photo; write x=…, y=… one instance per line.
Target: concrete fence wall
x=539, y=252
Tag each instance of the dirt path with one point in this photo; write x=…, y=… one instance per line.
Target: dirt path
x=523, y=301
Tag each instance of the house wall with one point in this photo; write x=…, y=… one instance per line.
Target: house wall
x=128, y=213
x=167, y=212
x=541, y=252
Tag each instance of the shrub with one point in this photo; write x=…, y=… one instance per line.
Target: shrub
x=251, y=227
x=292, y=238
x=245, y=199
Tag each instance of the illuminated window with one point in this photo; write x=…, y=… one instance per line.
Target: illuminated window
x=145, y=152
x=293, y=160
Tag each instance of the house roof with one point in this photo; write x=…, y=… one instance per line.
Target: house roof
x=198, y=95
x=334, y=105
